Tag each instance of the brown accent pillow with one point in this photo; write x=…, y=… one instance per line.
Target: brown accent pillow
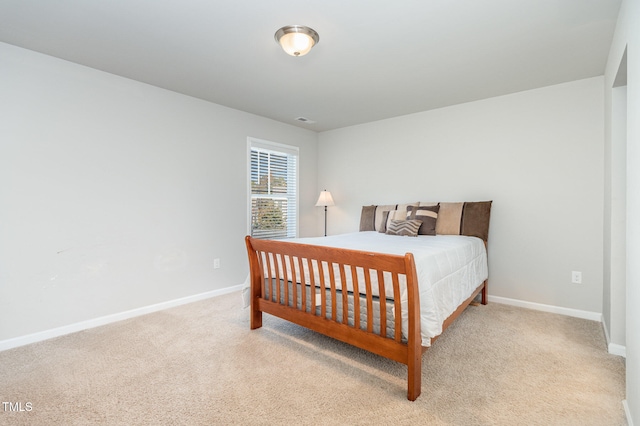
x=475, y=219
x=368, y=218
x=428, y=215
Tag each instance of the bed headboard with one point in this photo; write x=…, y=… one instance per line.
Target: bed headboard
x=463, y=218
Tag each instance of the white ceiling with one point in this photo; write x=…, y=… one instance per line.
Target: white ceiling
x=375, y=59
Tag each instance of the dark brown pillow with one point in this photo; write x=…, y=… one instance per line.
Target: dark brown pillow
x=475, y=219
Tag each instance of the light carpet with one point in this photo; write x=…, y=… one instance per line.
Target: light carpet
x=200, y=364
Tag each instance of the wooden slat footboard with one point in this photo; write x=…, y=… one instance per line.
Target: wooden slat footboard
x=276, y=268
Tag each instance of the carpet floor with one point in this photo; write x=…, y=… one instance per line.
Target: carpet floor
x=200, y=364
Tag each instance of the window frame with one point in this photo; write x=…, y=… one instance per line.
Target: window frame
x=281, y=149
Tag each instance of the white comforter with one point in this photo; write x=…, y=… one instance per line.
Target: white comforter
x=449, y=268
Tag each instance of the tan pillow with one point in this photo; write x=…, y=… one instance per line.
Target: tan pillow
x=449, y=219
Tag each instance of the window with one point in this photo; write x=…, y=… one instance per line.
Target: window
x=273, y=190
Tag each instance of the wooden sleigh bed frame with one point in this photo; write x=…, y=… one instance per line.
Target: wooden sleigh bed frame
x=323, y=307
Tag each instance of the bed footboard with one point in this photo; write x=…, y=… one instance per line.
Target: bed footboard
x=307, y=285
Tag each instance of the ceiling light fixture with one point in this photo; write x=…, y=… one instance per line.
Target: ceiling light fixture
x=297, y=40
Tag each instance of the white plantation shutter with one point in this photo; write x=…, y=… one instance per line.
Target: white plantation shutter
x=273, y=190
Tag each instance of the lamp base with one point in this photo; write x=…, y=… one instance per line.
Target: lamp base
x=325, y=221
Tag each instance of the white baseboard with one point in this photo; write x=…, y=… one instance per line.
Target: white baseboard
x=619, y=350
x=627, y=412
x=594, y=316
x=613, y=348
x=108, y=319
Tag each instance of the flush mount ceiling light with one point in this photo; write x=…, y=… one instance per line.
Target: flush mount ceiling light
x=297, y=40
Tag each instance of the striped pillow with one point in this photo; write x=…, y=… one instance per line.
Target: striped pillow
x=379, y=216
x=404, y=227
x=428, y=215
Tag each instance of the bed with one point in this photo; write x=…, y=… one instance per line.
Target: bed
x=391, y=288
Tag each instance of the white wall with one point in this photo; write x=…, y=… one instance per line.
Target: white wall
x=537, y=154
x=614, y=281
x=627, y=36
x=118, y=195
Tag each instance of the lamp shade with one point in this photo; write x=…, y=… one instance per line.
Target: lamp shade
x=297, y=40
x=325, y=199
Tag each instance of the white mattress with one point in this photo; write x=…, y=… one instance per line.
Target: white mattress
x=449, y=269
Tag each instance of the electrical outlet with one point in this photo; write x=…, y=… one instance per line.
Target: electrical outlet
x=576, y=277
x=216, y=263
